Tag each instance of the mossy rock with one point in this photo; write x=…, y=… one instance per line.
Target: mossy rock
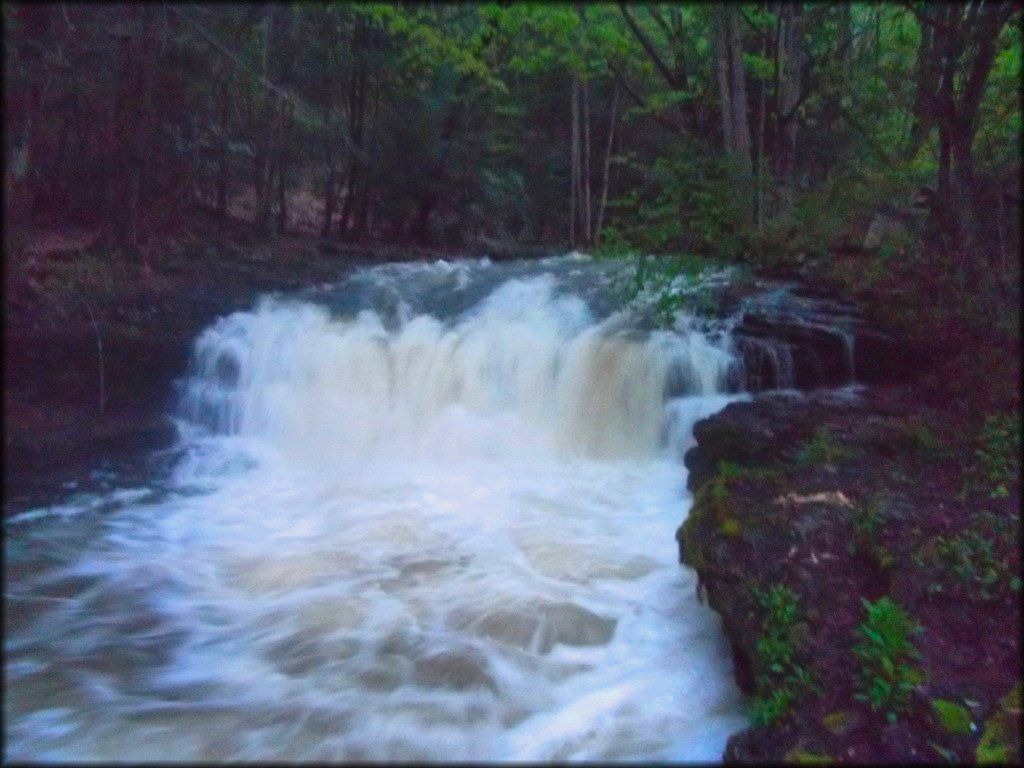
x=687, y=534
x=803, y=757
x=730, y=527
x=954, y=718
x=838, y=722
x=1000, y=738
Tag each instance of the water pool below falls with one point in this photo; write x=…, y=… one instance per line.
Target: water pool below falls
x=423, y=514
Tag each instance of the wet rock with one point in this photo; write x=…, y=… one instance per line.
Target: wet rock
x=538, y=627
x=880, y=359
x=570, y=624
x=458, y=670
x=835, y=531
x=759, y=432
x=511, y=627
x=380, y=679
x=819, y=355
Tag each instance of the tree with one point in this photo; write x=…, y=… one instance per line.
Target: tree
x=957, y=49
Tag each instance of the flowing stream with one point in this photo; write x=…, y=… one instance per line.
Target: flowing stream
x=424, y=514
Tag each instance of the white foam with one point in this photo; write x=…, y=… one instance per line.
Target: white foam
x=445, y=540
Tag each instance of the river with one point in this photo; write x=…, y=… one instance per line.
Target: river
x=425, y=513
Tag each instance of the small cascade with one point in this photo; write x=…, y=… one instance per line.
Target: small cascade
x=526, y=371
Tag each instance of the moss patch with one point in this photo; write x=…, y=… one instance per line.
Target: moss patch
x=953, y=718
x=838, y=722
x=1000, y=738
x=803, y=757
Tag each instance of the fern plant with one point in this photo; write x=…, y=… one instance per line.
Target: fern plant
x=888, y=675
x=779, y=678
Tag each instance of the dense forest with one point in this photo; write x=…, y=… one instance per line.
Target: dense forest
x=741, y=129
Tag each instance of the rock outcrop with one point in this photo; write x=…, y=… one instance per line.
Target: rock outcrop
x=842, y=499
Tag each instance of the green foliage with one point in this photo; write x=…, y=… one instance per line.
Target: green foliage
x=867, y=520
x=663, y=286
x=971, y=561
x=838, y=722
x=822, y=448
x=780, y=679
x=803, y=757
x=996, y=466
x=954, y=718
x=452, y=123
x=916, y=436
x=689, y=201
x=1000, y=741
x=888, y=676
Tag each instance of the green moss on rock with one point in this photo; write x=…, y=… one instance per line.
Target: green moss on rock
x=1000, y=737
x=803, y=757
x=730, y=527
x=953, y=718
x=838, y=722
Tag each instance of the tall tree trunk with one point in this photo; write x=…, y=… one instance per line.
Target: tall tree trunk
x=283, y=149
x=945, y=211
x=789, y=62
x=357, y=106
x=721, y=52
x=365, y=131
x=371, y=211
x=329, y=195
x=21, y=170
x=738, y=82
x=222, y=159
x=607, y=165
x=762, y=107
x=587, y=229
x=140, y=57
x=347, y=204
x=282, y=198
x=575, y=160
x=264, y=130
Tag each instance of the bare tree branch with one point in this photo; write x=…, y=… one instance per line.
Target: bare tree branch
x=641, y=102
x=649, y=48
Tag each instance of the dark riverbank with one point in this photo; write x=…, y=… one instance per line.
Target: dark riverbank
x=808, y=505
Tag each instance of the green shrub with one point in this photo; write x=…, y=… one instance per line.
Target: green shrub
x=822, y=448
x=997, y=457
x=1000, y=741
x=953, y=717
x=804, y=757
x=779, y=678
x=665, y=285
x=691, y=200
x=916, y=436
x=867, y=521
x=970, y=558
x=888, y=676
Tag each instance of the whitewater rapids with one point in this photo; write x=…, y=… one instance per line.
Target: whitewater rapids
x=424, y=514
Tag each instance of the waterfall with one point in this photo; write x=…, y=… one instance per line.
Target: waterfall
x=526, y=372
x=426, y=513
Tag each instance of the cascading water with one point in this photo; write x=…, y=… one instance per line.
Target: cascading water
x=425, y=514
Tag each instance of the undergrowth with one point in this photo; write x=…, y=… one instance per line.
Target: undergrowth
x=780, y=679
x=996, y=465
x=888, y=672
x=822, y=448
